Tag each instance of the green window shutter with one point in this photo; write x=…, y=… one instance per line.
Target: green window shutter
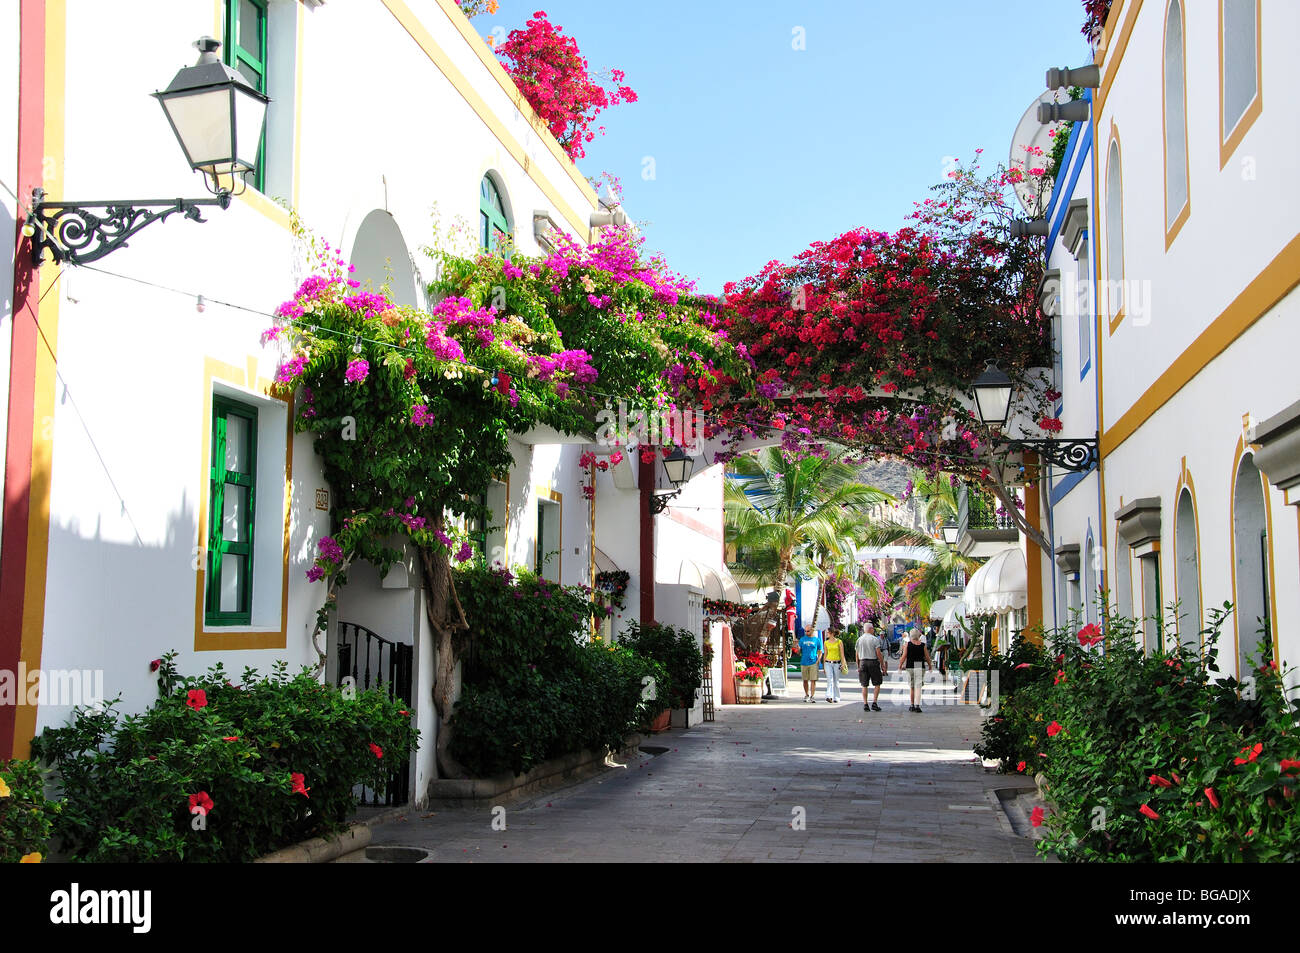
x=493, y=228
x=245, y=50
x=231, y=505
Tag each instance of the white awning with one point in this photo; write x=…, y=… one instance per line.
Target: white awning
x=952, y=618
x=1000, y=585
x=939, y=608
x=717, y=583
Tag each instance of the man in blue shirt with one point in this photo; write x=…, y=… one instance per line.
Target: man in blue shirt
x=810, y=658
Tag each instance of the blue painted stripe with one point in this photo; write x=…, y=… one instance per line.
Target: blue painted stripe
x=1059, y=213
x=1061, y=490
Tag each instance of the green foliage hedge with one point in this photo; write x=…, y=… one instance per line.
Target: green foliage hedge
x=532, y=689
x=26, y=818
x=675, y=649
x=135, y=788
x=1151, y=758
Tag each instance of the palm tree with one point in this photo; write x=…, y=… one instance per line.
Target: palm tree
x=788, y=513
x=925, y=583
x=936, y=497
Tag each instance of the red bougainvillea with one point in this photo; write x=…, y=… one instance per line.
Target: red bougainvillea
x=868, y=339
x=552, y=75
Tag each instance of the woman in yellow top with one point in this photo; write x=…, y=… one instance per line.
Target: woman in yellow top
x=836, y=664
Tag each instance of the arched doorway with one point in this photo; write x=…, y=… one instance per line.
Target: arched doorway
x=380, y=257
x=1251, y=558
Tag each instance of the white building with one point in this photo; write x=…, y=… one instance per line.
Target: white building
x=1194, y=160
x=381, y=112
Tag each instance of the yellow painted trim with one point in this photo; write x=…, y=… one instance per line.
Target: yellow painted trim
x=221, y=638
x=1114, y=59
x=555, y=497
x=1033, y=564
x=1237, y=456
x=265, y=207
x=1118, y=319
x=1228, y=144
x=36, y=576
x=411, y=23
x=1272, y=284
x=1185, y=482
x=1173, y=228
x=479, y=46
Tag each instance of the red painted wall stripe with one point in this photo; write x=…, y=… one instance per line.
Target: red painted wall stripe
x=22, y=361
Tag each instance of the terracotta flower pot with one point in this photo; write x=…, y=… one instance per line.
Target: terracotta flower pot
x=661, y=721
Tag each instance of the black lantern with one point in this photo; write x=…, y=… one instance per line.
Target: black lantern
x=950, y=533
x=992, y=396
x=678, y=466
x=993, y=406
x=217, y=117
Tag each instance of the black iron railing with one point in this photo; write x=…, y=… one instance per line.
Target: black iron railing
x=372, y=661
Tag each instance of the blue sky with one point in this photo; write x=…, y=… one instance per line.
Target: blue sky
x=760, y=149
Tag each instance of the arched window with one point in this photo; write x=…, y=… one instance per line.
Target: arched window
x=1239, y=92
x=1251, y=556
x=1089, y=571
x=1176, y=186
x=1187, y=575
x=1114, y=233
x=1123, y=580
x=493, y=226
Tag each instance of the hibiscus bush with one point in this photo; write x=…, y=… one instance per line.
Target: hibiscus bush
x=1153, y=758
x=219, y=772
x=26, y=817
x=533, y=689
x=675, y=649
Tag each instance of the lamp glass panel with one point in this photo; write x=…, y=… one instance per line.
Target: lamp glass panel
x=202, y=121
x=249, y=117
x=992, y=403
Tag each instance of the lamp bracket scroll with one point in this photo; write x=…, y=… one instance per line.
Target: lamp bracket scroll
x=82, y=232
x=1077, y=455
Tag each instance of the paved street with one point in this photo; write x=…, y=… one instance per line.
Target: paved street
x=869, y=786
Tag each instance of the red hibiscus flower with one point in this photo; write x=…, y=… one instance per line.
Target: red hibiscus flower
x=1289, y=765
x=1021, y=665
x=1212, y=798
x=196, y=698
x=1253, y=754
x=1054, y=729
x=230, y=738
x=377, y=751
x=299, y=784
x=403, y=711
x=1146, y=809
x=1060, y=677
x=1036, y=817
x=153, y=666
x=1160, y=782
x=200, y=803
x=1090, y=635
x=1020, y=766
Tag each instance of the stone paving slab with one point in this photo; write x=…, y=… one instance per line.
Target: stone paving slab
x=889, y=786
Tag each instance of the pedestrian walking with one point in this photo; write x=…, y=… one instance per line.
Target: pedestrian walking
x=810, y=659
x=836, y=665
x=871, y=665
x=916, y=661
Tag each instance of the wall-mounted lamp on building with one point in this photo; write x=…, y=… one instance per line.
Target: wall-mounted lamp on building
x=993, y=405
x=1022, y=228
x=217, y=118
x=1085, y=77
x=1076, y=110
x=608, y=216
x=678, y=466
x=950, y=533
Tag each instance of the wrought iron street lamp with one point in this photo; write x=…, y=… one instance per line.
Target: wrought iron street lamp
x=993, y=405
x=217, y=118
x=678, y=465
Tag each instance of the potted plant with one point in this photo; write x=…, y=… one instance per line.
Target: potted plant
x=749, y=687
